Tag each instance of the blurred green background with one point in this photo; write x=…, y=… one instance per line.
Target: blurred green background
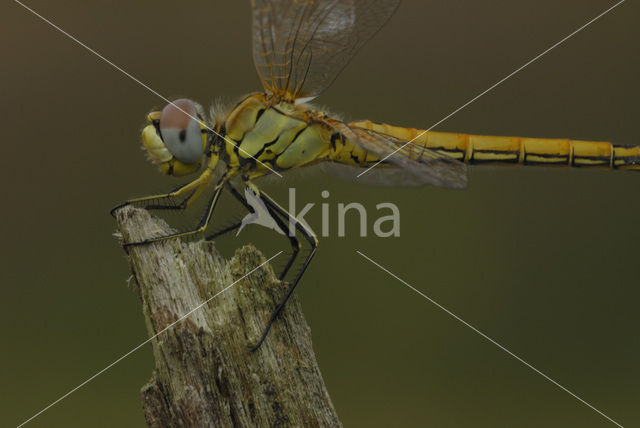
x=542, y=260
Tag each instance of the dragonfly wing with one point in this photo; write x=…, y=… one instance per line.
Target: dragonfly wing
x=379, y=176
x=299, y=47
x=422, y=165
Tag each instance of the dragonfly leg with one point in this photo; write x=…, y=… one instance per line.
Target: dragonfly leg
x=293, y=240
x=236, y=225
x=200, y=227
x=223, y=231
x=190, y=191
x=313, y=242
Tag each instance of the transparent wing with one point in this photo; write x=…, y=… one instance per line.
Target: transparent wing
x=421, y=165
x=300, y=46
x=382, y=176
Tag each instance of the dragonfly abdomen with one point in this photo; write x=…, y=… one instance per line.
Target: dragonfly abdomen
x=481, y=149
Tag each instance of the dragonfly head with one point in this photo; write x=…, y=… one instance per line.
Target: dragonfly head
x=176, y=137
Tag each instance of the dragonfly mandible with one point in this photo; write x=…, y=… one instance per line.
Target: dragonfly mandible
x=299, y=48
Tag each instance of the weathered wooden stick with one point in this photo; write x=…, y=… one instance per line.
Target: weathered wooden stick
x=205, y=375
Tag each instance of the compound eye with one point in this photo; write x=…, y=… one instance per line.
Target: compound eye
x=181, y=132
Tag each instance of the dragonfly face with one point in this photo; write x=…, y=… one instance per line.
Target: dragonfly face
x=176, y=138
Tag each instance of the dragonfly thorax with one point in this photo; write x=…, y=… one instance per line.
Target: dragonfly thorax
x=263, y=135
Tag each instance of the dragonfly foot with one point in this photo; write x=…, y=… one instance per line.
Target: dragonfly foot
x=117, y=207
x=253, y=348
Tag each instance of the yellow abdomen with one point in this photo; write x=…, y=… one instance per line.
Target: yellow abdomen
x=479, y=149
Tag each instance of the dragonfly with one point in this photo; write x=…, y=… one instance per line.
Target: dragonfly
x=299, y=48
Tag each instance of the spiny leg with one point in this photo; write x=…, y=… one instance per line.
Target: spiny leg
x=176, y=206
x=202, y=225
x=195, y=187
x=293, y=240
x=236, y=225
x=284, y=227
x=313, y=241
x=223, y=231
